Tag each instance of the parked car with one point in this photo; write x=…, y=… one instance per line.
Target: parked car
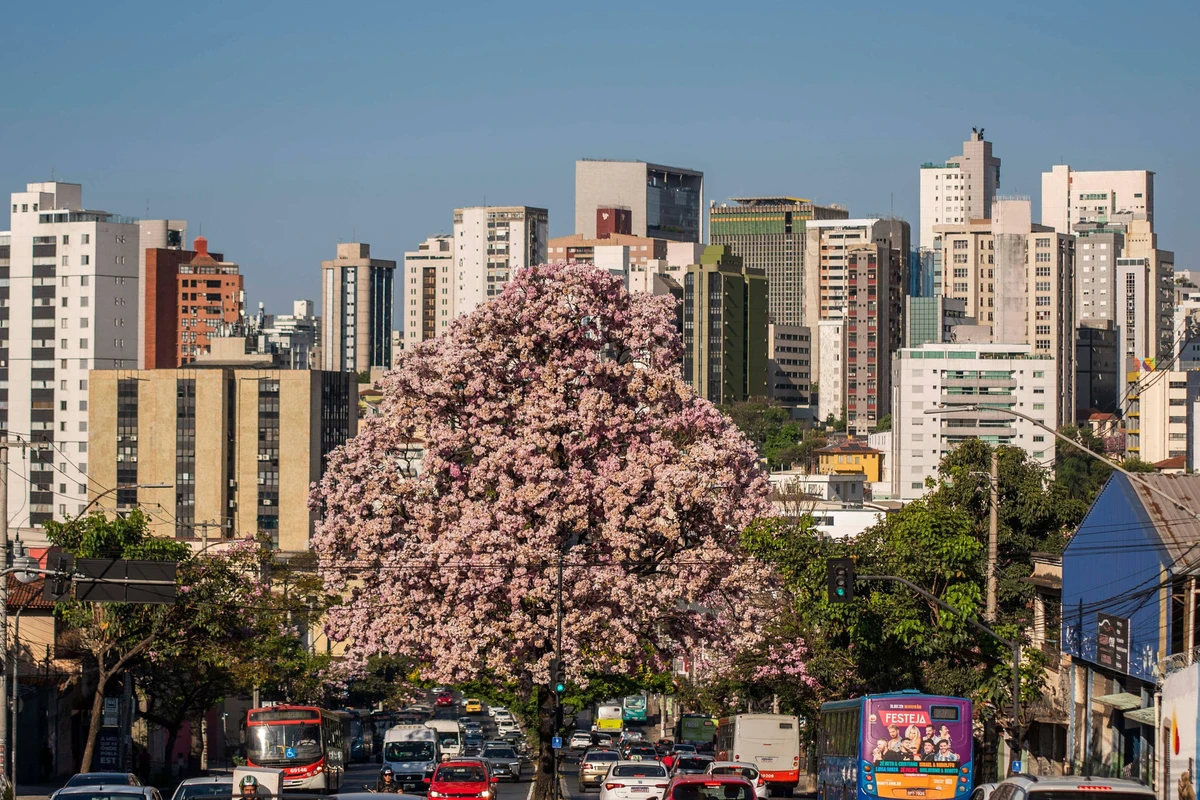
x=213, y=786
x=747, y=771
x=634, y=780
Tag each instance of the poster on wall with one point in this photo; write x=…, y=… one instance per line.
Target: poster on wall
x=1112, y=642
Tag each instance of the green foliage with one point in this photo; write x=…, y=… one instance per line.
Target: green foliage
x=781, y=440
x=1136, y=465
x=837, y=425
x=364, y=376
x=885, y=424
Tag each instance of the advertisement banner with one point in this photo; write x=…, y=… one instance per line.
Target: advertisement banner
x=916, y=746
x=1112, y=642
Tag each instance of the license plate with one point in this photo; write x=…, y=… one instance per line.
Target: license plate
x=766, y=759
x=916, y=792
x=641, y=788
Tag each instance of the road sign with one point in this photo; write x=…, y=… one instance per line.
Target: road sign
x=104, y=580
x=1016, y=768
x=556, y=742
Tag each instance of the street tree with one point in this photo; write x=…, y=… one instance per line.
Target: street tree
x=549, y=432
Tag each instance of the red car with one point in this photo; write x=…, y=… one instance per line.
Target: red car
x=463, y=778
x=444, y=699
x=709, y=787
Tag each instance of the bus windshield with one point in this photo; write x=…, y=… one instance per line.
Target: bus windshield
x=284, y=743
x=917, y=743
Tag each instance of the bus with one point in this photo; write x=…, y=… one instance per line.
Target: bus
x=696, y=729
x=610, y=718
x=770, y=742
x=362, y=736
x=311, y=745
x=633, y=708
x=897, y=745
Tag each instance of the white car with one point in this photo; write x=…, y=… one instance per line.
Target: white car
x=747, y=771
x=581, y=740
x=494, y=710
x=634, y=780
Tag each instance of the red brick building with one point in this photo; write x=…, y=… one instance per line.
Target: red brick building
x=189, y=294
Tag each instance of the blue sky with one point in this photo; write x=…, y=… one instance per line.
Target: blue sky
x=283, y=128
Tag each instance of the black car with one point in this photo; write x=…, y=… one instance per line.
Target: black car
x=691, y=765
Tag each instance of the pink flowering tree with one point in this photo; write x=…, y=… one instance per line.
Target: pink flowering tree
x=548, y=433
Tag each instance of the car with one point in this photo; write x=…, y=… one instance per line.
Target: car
x=602, y=740
x=640, y=751
x=683, y=749
x=747, y=771
x=581, y=740
x=709, y=787
x=494, y=710
x=594, y=766
x=472, y=705
x=97, y=778
x=982, y=791
x=444, y=699
x=691, y=765
x=503, y=760
x=213, y=786
x=472, y=727
x=107, y=791
x=1071, y=787
x=462, y=777
x=507, y=725
x=634, y=780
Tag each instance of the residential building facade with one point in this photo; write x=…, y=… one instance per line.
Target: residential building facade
x=768, y=233
x=294, y=337
x=427, y=292
x=1070, y=197
x=960, y=189
x=190, y=297
x=663, y=202
x=1097, y=368
x=228, y=470
x=725, y=328
x=69, y=306
x=789, y=364
x=983, y=379
x=1159, y=414
x=357, y=296
x=490, y=244
x=154, y=235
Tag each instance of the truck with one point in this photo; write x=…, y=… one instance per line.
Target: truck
x=412, y=753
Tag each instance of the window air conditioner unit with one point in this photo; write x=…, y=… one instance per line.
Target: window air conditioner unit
x=133, y=458
x=120, y=458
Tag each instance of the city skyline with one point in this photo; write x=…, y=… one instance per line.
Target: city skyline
x=278, y=176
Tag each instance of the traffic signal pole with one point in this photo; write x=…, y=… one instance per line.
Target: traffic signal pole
x=556, y=674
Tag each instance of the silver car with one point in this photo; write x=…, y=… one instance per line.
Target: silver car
x=503, y=760
x=219, y=786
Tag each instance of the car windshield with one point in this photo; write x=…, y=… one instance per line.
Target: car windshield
x=224, y=789
x=94, y=778
x=464, y=773
x=684, y=748
x=693, y=762
x=447, y=738
x=713, y=791
x=643, y=771
x=408, y=751
x=499, y=752
x=749, y=773
x=276, y=743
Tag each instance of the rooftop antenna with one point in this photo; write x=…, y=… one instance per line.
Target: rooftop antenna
x=51, y=172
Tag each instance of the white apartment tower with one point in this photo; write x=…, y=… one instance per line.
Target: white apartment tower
x=1071, y=196
x=960, y=189
x=70, y=290
x=426, y=294
x=356, y=310
x=490, y=244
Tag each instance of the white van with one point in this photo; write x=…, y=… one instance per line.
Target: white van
x=449, y=736
x=412, y=753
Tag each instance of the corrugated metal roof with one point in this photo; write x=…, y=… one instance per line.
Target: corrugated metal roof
x=1177, y=526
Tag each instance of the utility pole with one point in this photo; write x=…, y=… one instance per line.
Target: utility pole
x=993, y=537
x=4, y=774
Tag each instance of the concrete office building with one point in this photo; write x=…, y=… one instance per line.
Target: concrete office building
x=190, y=296
x=213, y=435
x=1018, y=278
x=768, y=233
x=426, y=293
x=725, y=328
x=1073, y=196
x=356, y=310
x=1097, y=368
x=937, y=320
x=663, y=202
x=1145, y=292
x=490, y=244
x=961, y=189
x=942, y=376
x=789, y=365
x=69, y=304
x=154, y=235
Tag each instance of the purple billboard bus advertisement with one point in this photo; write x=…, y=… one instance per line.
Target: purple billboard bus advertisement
x=916, y=746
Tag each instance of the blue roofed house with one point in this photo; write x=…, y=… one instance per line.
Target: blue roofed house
x=1128, y=616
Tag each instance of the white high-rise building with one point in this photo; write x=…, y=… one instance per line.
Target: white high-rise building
x=356, y=310
x=960, y=189
x=989, y=377
x=1072, y=196
x=71, y=305
x=426, y=293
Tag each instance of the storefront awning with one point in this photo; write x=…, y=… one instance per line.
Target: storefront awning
x=1143, y=716
x=1122, y=701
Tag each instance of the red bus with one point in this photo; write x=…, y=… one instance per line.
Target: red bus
x=311, y=745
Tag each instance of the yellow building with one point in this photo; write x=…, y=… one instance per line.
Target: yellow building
x=848, y=458
x=219, y=451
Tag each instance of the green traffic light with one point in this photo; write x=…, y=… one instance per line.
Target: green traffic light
x=841, y=591
x=560, y=688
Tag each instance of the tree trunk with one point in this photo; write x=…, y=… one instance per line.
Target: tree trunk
x=172, y=737
x=544, y=787
x=94, y=723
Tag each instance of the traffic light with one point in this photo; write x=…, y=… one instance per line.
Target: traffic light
x=57, y=585
x=840, y=577
x=556, y=677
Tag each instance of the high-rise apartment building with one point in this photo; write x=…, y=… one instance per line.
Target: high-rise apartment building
x=1160, y=412
x=961, y=189
x=155, y=234
x=725, y=328
x=490, y=244
x=1019, y=278
x=641, y=249
x=663, y=202
x=768, y=233
x=937, y=320
x=69, y=305
x=1097, y=368
x=428, y=286
x=190, y=296
x=1073, y=196
x=944, y=376
x=1145, y=295
x=213, y=437
x=789, y=364
x=356, y=310
x=294, y=337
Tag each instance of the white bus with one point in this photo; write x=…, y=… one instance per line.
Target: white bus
x=610, y=718
x=769, y=741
